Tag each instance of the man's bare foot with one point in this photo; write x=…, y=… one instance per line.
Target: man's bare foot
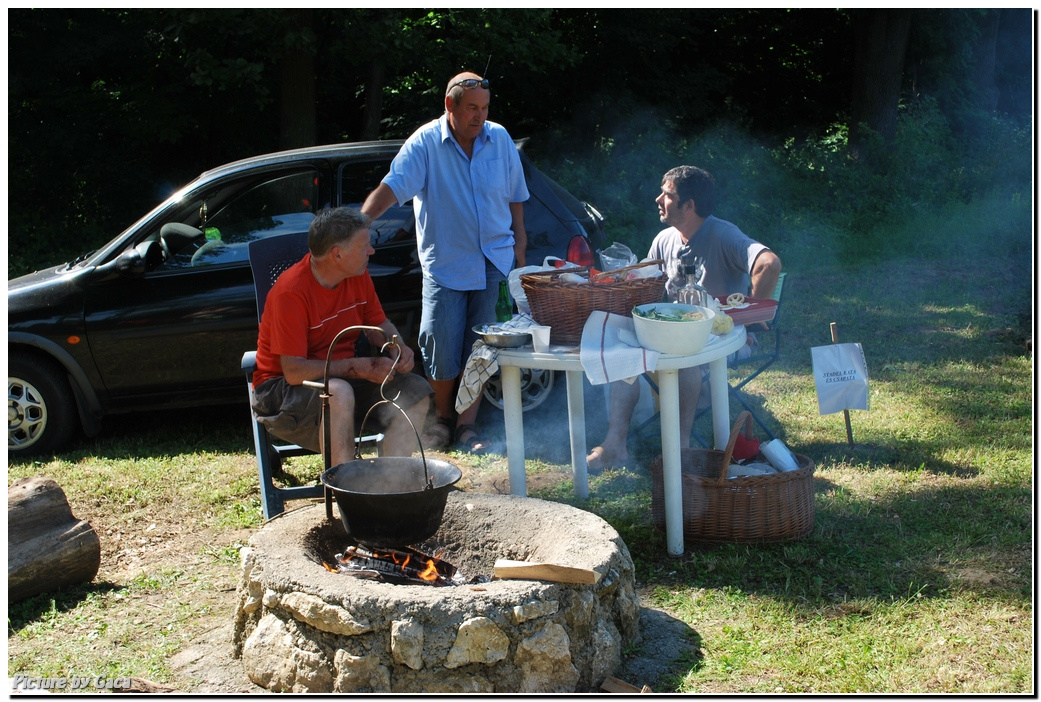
x=599, y=459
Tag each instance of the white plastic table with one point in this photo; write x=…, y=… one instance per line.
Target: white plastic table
x=714, y=354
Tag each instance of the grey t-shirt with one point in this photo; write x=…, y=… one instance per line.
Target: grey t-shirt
x=728, y=254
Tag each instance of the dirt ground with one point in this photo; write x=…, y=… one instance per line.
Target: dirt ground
x=205, y=664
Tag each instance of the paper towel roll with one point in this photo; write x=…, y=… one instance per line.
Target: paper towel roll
x=779, y=455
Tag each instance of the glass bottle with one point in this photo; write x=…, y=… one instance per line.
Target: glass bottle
x=504, y=306
x=692, y=293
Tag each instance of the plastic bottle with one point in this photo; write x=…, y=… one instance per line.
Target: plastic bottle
x=504, y=306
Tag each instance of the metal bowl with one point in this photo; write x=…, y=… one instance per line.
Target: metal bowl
x=502, y=339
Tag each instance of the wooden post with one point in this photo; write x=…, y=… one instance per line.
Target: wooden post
x=845, y=412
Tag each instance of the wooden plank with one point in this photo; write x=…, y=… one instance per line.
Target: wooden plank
x=553, y=572
x=142, y=685
x=615, y=685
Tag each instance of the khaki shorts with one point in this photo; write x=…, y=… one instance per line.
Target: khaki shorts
x=293, y=413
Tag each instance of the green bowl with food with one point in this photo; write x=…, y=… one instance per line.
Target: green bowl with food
x=673, y=327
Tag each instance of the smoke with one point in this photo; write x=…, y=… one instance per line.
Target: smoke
x=618, y=169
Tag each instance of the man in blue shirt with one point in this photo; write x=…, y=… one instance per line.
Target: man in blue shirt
x=465, y=179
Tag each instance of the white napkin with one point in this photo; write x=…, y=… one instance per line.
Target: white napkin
x=737, y=470
x=610, y=351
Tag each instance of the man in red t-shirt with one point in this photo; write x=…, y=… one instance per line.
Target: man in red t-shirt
x=310, y=303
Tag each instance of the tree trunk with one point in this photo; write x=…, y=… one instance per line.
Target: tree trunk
x=880, y=44
x=297, y=84
x=984, y=61
x=47, y=547
x=370, y=120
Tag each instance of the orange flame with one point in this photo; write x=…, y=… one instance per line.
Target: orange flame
x=431, y=572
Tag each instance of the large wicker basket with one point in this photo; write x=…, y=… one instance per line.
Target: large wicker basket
x=749, y=509
x=564, y=306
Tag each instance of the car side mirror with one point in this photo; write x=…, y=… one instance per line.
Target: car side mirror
x=136, y=261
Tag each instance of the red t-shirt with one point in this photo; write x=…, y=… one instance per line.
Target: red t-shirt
x=301, y=318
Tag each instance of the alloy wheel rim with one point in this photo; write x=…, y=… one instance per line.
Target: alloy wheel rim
x=26, y=414
x=536, y=385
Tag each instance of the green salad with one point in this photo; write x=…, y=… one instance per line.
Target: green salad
x=664, y=315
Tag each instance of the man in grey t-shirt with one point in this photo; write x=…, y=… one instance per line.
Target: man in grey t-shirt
x=733, y=263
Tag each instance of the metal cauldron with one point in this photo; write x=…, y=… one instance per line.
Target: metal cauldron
x=388, y=501
x=391, y=501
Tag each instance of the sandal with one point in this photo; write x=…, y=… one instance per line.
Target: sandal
x=475, y=444
x=438, y=434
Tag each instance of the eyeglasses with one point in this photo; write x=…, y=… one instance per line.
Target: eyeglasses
x=472, y=83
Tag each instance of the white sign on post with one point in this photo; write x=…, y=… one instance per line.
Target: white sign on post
x=840, y=372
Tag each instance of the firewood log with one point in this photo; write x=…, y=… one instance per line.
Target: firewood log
x=47, y=547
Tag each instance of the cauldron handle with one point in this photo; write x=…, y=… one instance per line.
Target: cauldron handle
x=326, y=453
x=428, y=483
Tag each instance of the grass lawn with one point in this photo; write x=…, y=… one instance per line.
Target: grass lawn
x=917, y=578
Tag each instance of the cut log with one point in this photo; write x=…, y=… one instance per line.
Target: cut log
x=47, y=547
x=522, y=570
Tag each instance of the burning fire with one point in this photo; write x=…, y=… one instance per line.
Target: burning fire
x=402, y=559
x=430, y=569
x=431, y=572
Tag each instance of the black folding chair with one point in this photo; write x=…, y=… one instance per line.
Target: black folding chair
x=741, y=373
x=269, y=258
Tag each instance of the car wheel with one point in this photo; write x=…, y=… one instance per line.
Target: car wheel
x=536, y=386
x=41, y=411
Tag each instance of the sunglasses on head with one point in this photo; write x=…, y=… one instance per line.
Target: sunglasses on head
x=472, y=83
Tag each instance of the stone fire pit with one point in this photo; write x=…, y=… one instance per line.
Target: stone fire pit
x=301, y=628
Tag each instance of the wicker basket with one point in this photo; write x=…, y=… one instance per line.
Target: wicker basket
x=749, y=509
x=564, y=306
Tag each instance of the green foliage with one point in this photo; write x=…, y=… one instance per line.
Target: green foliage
x=111, y=110
x=927, y=193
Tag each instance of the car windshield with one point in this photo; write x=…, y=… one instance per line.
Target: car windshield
x=234, y=213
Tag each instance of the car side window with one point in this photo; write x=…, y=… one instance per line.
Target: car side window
x=230, y=214
x=397, y=226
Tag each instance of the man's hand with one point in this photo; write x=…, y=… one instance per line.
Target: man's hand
x=408, y=358
x=375, y=369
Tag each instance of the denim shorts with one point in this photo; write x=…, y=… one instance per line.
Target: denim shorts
x=293, y=413
x=446, y=335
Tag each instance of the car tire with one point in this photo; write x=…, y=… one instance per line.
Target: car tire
x=536, y=387
x=41, y=409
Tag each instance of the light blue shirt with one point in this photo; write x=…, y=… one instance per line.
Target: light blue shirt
x=462, y=204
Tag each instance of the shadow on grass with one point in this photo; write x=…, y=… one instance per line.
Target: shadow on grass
x=45, y=605
x=218, y=429
x=925, y=542
x=900, y=452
